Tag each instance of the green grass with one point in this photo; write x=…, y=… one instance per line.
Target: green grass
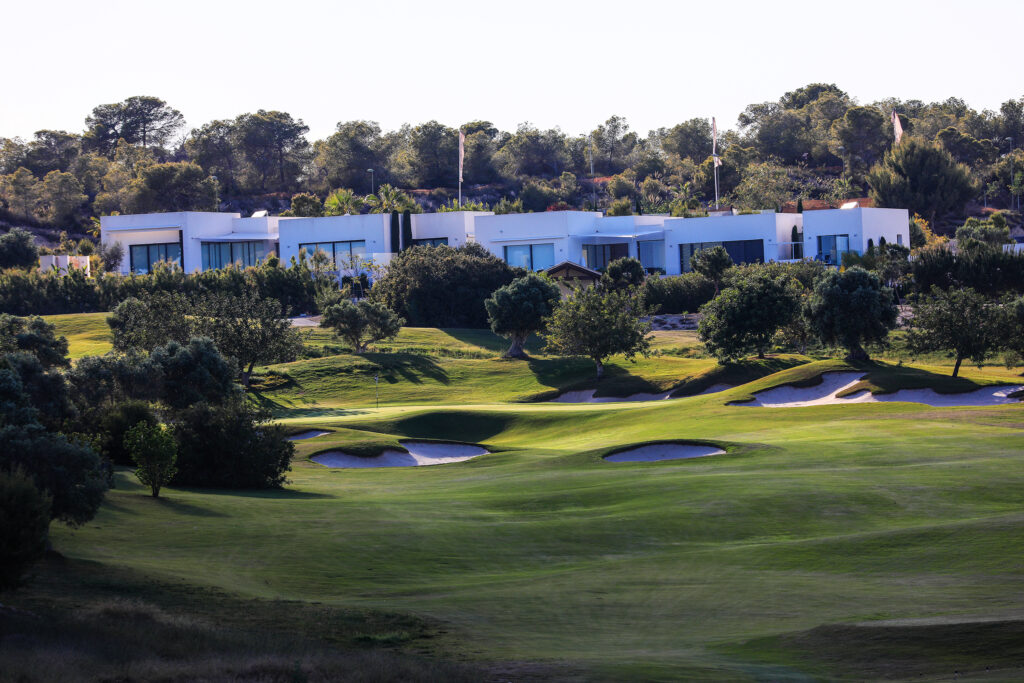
x=850, y=541
x=87, y=333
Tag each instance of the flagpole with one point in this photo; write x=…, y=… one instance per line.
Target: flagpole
x=716, y=184
x=462, y=156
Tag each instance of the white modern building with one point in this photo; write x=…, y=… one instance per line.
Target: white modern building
x=194, y=240
x=536, y=241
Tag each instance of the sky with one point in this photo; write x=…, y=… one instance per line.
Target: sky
x=553, y=63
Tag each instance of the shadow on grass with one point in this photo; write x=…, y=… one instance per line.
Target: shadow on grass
x=488, y=340
x=269, y=494
x=883, y=378
x=475, y=427
x=411, y=367
x=183, y=508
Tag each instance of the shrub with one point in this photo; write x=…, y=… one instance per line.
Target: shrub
x=677, y=293
x=18, y=250
x=24, y=524
x=114, y=424
x=361, y=324
x=230, y=446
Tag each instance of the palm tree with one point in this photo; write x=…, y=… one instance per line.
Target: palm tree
x=342, y=202
x=388, y=199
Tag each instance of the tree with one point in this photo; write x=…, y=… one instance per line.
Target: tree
x=248, y=328
x=435, y=149
x=231, y=445
x=747, y=314
x=24, y=526
x=35, y=336
x=51, y=150
x=20, y=192
x=139, y=120
x=361, y=324
x=850, y=309
x=192, y=372
x=922, y=178
x=765, y=185
x=153, y=449
x=519, y=309
x=305, y=205
x=389, y=199
x=110, y=255
x=18, y=250
x=174, y=186
x=142, y=324
x=957, y=320
x=597, y=323
x=442, y=286
x=115, y=421
x=623, y=273
x=860, y=138
x=214, y=147
x=712, y=264
x=975, y=235
x=61, y=195
x=344, y=157
x=343, y=202
x=274, y=147
x=690, y=139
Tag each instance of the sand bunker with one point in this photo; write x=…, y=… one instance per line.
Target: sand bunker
x=664, y=451
x=312, y=434
x=835, y=383
x=420, y=453
x=587, y=396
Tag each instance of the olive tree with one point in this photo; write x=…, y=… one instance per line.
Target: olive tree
x=712, y=264
x=850, y=309
x=518, y=309
x=361, y=324
x=745, y=316
x=960, y=321
x=597, y=323
x=153, y=449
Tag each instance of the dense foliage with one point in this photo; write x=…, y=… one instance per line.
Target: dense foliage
x=442, y=286
x=361, y=324
x=519, y=309
x=745, y=316
x=851, y=309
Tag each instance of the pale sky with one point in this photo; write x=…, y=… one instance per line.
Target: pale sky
x=553, y=63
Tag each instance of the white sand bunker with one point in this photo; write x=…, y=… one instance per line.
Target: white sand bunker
x=587, y=396
x=835, y=383
x=312, y=434
x=420, y=453
x=664, y=451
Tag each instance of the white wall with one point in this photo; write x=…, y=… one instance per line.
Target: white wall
x=158, y=228
x=549, y=227
x=373, y=228
x=456, y=226
x=860, y=224
x=763, y=226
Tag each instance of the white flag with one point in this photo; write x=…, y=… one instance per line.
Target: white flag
x=462, y=151
x=714, y=143
x=897, y=126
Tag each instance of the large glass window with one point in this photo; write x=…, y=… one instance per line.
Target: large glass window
x=598, y=256
x=431, y=242
x=142, y=257
x=223, y=254
x=832, y=247
x=530, y=256
x=341, y=253
x=740, y=251
x=652, y=254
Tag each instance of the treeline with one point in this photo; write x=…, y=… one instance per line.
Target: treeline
x=816, y=142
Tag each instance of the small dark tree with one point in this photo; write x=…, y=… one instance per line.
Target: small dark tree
x=305, y=205
x=518, y=309
x=24, y=525
x=114, y=424
x=851, y=309
x=623, y=273
x=960, y=321
x=396, y=233
x=712, y=264
x=18, y=250
x=799, y=207
x=361, y=324
x=597, y=323
x=406, y=229
x=154, y=452
x=746, y=315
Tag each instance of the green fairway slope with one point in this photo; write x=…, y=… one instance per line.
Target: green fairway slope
x=728, y=566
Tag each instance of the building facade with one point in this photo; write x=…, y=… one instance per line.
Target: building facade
x=535, y=241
